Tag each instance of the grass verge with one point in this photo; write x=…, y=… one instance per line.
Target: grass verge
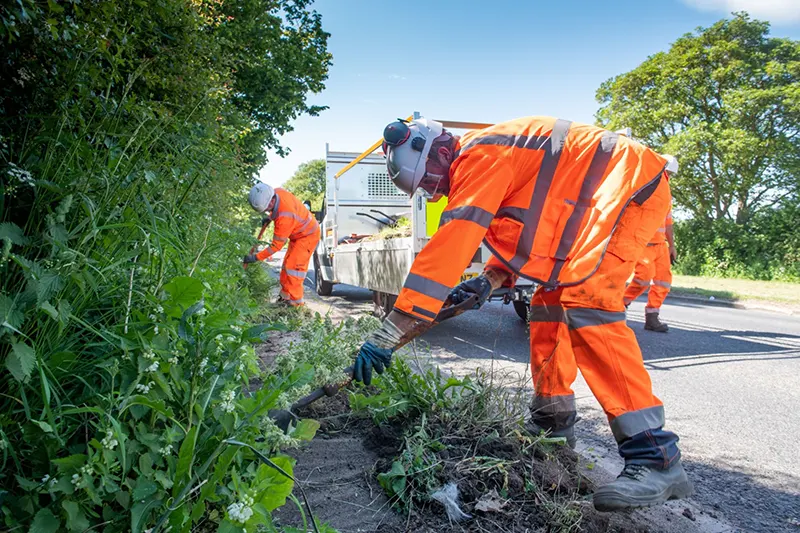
x=738, y=289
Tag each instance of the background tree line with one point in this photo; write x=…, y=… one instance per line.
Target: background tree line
x=726, y=101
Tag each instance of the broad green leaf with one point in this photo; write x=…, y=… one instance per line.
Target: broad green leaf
x=198, y=510
x=275, y=487
x=10, y=316
x=44, y=426
x=254, y=334
x=144, y=489
x=27, y=484
x=76, y=520
x=45, y=522
x=13, y=233
x=183, y=292
x=70, y=463
x=183, y=471
x=48, y=308
x=306, y=429
x=226, y=526
x=140, y=513
x=21, y=361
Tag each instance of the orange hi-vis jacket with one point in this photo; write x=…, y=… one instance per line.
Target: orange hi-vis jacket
x=291, y=220
x=661, y=235
x=546, y=194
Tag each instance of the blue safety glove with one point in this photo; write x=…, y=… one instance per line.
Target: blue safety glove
x=478, y=285
x=249, y=258
x=369, y=357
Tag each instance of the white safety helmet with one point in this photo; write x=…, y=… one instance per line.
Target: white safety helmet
x=260, y=196
x=407, y=145
x=672, y=163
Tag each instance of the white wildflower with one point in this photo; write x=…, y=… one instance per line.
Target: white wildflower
x=155, y=329
x=159, y=309
x=144, y=389
x=152, y=368
x=148, y=354
x=173, y=360
x=203, y=364
x=218, y=338
x=165, y=450
x=241, y=511
x=109, y=442
x=152, y=318
x=228, y=398
x=237, y=329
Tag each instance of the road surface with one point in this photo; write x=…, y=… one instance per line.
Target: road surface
x=729, y=379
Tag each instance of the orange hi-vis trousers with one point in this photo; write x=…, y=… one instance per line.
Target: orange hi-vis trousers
x=655, y=271
x=295, y=268
x=583, y=326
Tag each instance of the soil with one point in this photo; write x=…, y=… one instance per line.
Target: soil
x=276, y=344
x=338, y=470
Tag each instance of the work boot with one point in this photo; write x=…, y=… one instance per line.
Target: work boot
x=642, y=486
x=652, y=323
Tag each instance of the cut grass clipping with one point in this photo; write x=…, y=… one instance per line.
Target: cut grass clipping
x=462, y=444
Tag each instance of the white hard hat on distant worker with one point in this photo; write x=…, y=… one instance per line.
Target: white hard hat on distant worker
x=407, y=145
x=260, y=196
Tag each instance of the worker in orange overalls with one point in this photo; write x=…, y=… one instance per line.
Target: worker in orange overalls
x=570, y=206
x=293, y=223
x=654, y=270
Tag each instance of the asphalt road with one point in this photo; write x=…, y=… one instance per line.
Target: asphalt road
x=729, y=379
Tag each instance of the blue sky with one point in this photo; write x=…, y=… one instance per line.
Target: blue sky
x=486, y=61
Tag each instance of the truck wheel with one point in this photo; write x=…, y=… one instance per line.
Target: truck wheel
x=522, y=309
x=384, y=303
x=324, y=288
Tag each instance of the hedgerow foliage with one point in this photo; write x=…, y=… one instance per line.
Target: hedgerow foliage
x=129, y=133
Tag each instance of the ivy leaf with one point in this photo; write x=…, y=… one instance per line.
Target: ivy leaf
x=45, y=522
x=21, y=361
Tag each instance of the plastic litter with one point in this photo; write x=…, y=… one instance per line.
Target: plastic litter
x=448, y=496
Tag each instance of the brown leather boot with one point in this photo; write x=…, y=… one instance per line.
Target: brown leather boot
x=652, y=323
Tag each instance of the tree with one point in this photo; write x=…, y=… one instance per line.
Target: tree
x=726, y=101
x=308, y=182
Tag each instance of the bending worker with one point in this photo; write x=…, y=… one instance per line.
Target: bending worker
x=570, y=206
x=293, y=223
x=654, y=270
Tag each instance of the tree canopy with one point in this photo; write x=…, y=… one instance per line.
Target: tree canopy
x=308, y=182
x=726, y=101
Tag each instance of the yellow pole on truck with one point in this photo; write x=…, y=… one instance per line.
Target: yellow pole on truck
x=364, y=154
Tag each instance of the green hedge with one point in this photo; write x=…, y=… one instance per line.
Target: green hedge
x=768, y=248
x=129, y=134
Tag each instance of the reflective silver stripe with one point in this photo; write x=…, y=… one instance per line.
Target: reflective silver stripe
x=515, y=213
x=662, y=230
x=547, y=313
x=423, y=312
x=295, y=273
x=591, y=181
x=552, y=148
x=641, y=282
x=280, y=239
x=662, y=284
x=651, y=309
x=426, y=286
x=632, y=423
x=470, y=213
x=516, y=141
x=581, y=318
x=553, y=404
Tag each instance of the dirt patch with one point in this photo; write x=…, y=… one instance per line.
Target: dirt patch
x=277, y=343
x=534, y=491
x=337, y=471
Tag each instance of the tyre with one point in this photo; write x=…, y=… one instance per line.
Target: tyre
x=522, y=309
x=324, y=288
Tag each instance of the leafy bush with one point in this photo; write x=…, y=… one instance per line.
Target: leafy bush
x=768, y=248
x=130, y=129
